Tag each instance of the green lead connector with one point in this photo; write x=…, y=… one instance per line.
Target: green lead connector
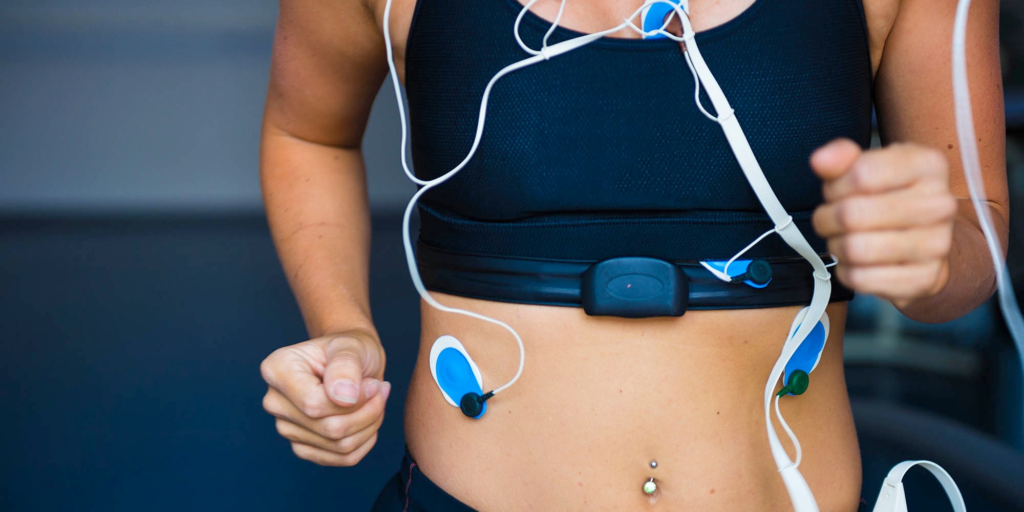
x=798, y=382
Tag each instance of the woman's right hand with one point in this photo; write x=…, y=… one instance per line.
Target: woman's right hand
x=328, y=396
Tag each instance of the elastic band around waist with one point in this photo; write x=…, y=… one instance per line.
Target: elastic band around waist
x=558, y=282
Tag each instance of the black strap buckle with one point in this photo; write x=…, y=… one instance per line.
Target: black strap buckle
x=634, y=288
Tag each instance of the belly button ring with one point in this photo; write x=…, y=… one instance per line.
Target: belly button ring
x=650, y=486
x=654, y=464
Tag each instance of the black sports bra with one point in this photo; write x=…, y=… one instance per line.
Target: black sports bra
x=601, y=153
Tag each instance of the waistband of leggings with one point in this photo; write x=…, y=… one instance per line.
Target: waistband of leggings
x=561, y=282
x=420, y=493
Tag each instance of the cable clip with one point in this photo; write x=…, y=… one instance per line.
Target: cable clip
x=789, y=218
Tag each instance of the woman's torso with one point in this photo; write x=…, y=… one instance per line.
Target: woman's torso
x=600, y=398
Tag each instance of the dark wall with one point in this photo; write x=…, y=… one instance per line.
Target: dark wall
x=130, y=353
x=142, y=106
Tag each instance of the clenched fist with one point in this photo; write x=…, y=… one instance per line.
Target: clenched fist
x=327, y=396
x=888, y=217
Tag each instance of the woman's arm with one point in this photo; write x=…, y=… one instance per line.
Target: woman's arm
x=900, y=218
x=328, y=64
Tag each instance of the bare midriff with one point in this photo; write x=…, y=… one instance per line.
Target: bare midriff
x=601, y=397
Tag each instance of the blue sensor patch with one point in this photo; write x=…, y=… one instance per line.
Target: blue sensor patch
x=454, y=372
x=654, y=18
x=808, y=353
x=738, y=267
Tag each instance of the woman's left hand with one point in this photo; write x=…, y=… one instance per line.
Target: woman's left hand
x=888, y=217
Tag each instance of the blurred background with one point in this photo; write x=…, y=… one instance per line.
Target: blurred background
x=139, y=289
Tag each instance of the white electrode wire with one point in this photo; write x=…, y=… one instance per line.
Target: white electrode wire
x=724, y=273
x=724, y=276
x=696, y=90
x=975, y=184
x=789, y=432
x=717, y=273
x=398, y=94
x=558, y=19
x=515, y=29
x=755, y=242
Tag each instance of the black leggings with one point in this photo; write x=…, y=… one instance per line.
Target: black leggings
x=410, y=491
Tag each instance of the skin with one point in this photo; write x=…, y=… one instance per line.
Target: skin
x=600, y=397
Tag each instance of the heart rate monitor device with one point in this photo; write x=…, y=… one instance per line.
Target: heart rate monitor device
x=634, y=288
x=457, y=376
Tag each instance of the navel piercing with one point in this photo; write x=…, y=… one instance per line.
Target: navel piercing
x=654, y=464
x=650, y=486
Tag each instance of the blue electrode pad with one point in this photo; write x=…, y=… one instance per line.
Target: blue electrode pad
x=808, y=354
x=737, y=268
x=454, y=371
x=653, y=17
